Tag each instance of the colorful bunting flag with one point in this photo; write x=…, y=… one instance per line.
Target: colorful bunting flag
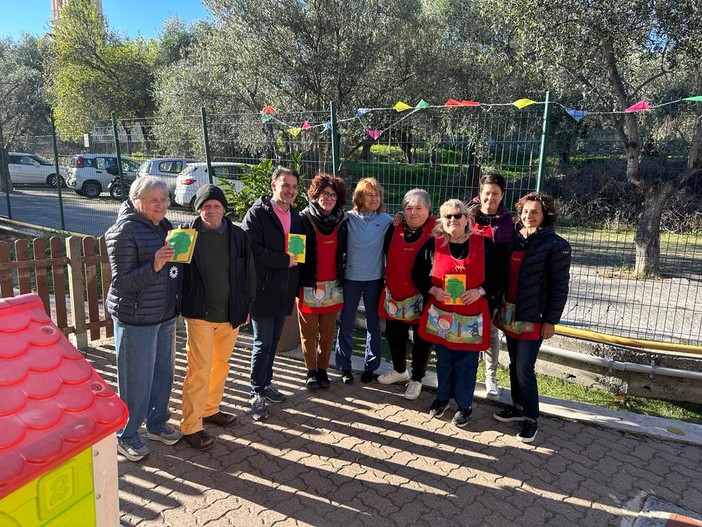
x=327, y=126
x=696, y=98
x=452, y=103
x=268, y=110
x=421, y=105
x=523, y=103
x=306, y=125
x=266, y=117
x=638, y=107
x=362, y=111
x=401, y=106
x=294, y=131
x=576, y=114
x=374, y=133
x=469, y=103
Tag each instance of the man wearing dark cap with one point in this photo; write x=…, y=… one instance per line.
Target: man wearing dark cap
x=218, y=289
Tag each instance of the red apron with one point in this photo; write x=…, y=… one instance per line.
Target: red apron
x=327, y=296
x=400, y=300
x=458, y=326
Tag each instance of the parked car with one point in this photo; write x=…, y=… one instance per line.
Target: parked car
x=194, y=175
x=164, y=168
x=32, y=168
x=88, y=173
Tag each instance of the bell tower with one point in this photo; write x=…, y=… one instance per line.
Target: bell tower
x=57, y=4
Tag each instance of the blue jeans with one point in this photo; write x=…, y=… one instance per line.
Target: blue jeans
x=267, y=331
x=353, y=291
x=145, y=365
x=455, y=375
x=522, y=376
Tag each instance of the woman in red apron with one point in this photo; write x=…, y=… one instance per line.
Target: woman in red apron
x=401, y=304
x=457, y=270
x=539, y=271
x=320, y=298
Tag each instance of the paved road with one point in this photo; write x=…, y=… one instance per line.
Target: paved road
x=361, y=455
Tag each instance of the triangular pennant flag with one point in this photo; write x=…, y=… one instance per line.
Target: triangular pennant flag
x=266, y=117
x=362, y=111
x=469, y=103
x=327, y=126
x=294, y=131
x=452, y=103
x=374, y=133
x=638, y=107
x=576, y=114
x=523, y=103
x=421, y=105
x=401, y=106
x=268, y=110
x=696, y=98
x=306, y=125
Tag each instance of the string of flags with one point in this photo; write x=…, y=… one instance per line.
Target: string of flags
x=268, y=113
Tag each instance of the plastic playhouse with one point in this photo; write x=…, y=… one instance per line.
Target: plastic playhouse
x=58, y=418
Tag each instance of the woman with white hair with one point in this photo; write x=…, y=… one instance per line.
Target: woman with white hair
x=456, y=270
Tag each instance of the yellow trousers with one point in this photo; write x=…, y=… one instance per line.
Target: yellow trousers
x=209, y=347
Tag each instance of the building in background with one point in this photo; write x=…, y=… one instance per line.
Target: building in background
x=57, y=4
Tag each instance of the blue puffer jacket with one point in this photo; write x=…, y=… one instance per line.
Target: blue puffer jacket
x=543, y=278
x=139, y=295
x=276, y=281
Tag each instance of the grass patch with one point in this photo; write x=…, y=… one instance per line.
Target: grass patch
x=560, y=389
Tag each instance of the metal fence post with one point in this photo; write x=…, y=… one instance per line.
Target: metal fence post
x=59, y=179
x=544, y=142
x=334, y=138
x=119, y=154
x=206, y=140
x=5, y=170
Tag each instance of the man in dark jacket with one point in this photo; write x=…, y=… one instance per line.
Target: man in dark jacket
x=218, y=288
x=267, y=223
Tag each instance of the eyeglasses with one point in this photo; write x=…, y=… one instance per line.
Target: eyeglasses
x=454, y=216
x=328, y=195
x=153, y=202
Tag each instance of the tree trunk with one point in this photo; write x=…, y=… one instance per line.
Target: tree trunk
x=647, y=238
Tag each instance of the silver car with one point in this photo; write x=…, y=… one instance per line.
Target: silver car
x=164, y=168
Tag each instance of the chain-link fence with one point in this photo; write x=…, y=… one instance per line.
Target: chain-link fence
x=443, y=151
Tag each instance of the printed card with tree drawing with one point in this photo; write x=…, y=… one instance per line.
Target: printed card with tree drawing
x=183, y=243
x=297, y=247
x=454, y=285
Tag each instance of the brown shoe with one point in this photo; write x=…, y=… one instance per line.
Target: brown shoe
x=200, y=440
x=220, y=419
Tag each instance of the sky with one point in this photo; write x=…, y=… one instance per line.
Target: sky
x=131, y=17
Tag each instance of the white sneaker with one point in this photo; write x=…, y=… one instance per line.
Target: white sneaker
x=414, y=388
x=392, y=377
x=492, y=391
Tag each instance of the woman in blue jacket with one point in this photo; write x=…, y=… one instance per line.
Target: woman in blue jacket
x=539, y=271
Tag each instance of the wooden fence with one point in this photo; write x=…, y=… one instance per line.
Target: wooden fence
x=79, y=271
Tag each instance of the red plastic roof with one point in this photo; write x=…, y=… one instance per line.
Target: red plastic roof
x=53, y=404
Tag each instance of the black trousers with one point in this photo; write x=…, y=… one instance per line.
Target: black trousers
x=397, y=334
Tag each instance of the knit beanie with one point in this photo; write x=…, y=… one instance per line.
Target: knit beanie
x=209, y=191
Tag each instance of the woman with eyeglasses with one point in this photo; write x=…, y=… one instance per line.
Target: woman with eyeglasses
x=143, y=299
x=457, y=271
x=539, y=272
x=363, y=277
x=325, y=225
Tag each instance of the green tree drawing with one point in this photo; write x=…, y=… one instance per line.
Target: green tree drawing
x=454, y=287
x=296, y=246
x=180, y=242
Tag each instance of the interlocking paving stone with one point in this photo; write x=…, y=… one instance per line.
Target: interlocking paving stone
x=362, y=455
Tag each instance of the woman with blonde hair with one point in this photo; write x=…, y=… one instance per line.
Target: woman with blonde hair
x=456, y=271
x=363, y=277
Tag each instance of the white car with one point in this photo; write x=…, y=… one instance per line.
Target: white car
x=89, y=174
x=195, y=175
x=31, y=168
x=164, y=168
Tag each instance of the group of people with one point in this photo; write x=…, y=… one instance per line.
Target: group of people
x=453, y=281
